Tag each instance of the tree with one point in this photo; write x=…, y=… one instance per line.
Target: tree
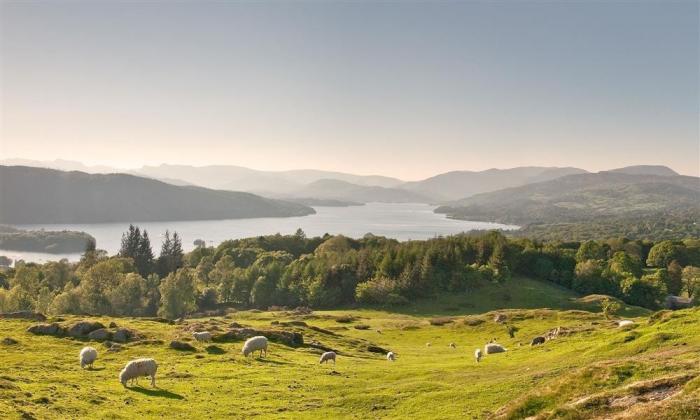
x=137, y=246
x=663, y=253
x=674, y=278
x=177, y=294
x=648, y=291
x=691, y=281
x=624, y=265
x=171, y=256
x=609, y=307
x=128, y=297
x=591, y=250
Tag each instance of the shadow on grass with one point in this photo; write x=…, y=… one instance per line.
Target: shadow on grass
x=269, y=361
x=156, y=392
x=215, y=350
x=95, y=369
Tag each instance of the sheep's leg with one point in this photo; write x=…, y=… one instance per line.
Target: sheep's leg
x=153, y=381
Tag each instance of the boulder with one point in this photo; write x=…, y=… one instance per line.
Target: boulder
x=123, y=335
x=181, y=345
x=288, y=338
x=9, y=341
x=36, y=316
x=47, y=329
x=83, y=328
x=100, y=335
x=677, y=302
x=113, y=325
x=500, y=318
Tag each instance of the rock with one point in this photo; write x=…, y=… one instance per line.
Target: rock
x=36, y=316
x=500, y=318
x=9, y=341
x=181, y=345
x=677, y=302
x=288, y=338
x=362, y=327
x=100, y=335
x=372, y=348
x=123, y=335
x=115, y=347
x=47, y=329
x=83, y=328
x=113, y=325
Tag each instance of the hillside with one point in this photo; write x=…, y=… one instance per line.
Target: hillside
x=33, y=195
x=345, y=191
x=52, y=242
x=459, y=184
x=593, y=370
x=604, y=197
x=646, y=170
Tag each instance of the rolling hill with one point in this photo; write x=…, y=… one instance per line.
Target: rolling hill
x=628, y=205
x=35, y=195
x=345, y=191
x=459, y=184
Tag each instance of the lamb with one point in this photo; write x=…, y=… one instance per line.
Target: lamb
x=492, y=348
x=202, y=336
x=254, y=344
x=477, y=355
x=88, y=355
x=325, y=357
x=537, y=340
x=391, y=356
x=624, y=324
x=453, y=345
x=137, y=368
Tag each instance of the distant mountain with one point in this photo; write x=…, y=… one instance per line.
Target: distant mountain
x=36, y=195
x=329, y=202
x=592, y=196
x=238, y=178
x=61, y=165
x=459, y=184
x=345, y=191
x=646, y=170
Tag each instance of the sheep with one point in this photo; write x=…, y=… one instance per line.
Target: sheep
x=428, y=344
x=537, y=340
x=88, y=355
x=202, y=336
x=137, y=368
x=624, y=324
x=453, y=345
x=477, y=355
x=493, y=348
x=325, y=357
x=254, y=344
x=391, y=356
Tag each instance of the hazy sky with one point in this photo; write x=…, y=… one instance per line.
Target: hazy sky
x=407, y=89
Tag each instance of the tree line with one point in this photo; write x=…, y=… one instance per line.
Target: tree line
x=334, y=271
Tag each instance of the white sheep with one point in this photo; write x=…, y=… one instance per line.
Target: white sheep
x=624, y=324
x=325, y=357
x=477, y=355
x=254, y=344
x=391, y=356
x=492, y=348
x=88, y=355
x=202, y=336
x=138, y=368
x=453, y=345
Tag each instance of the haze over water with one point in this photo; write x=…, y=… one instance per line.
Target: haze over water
x=399, y=221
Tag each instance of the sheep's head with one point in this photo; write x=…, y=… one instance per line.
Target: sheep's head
x=122, y=377
x=245, y=352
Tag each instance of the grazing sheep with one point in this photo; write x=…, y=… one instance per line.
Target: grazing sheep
x=492, y=348
x=88, y=355
x=137, y=368
x=477, y=355
x=624, y=324
x=202, y=336
x=391, y=356
x=537, y=340
x=254, y=344
x=453, y=345
x=325, y=357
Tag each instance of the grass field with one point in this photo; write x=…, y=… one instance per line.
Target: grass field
x=650, y=371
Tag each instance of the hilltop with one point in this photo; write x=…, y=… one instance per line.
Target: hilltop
x=35, y=195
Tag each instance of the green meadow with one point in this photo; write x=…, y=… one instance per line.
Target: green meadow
x=595, y=370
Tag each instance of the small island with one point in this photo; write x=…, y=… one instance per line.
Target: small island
x=51, y=242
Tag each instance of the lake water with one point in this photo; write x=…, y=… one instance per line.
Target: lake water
x=399, y=221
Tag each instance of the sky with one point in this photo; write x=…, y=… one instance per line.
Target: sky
x=404, y=89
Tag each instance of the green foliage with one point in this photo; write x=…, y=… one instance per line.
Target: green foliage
x=177, y=294
x=663, y=253
x=609, y=307
x=649, y=291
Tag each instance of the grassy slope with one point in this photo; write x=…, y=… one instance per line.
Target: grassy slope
x=41, y=376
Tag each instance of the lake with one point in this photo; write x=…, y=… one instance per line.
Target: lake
x=399, y=221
